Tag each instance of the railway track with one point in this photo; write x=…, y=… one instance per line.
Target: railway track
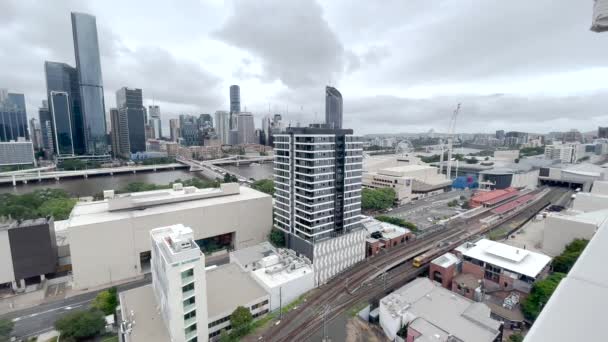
x=363, y=281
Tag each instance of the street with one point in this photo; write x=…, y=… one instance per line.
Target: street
x=39, y=319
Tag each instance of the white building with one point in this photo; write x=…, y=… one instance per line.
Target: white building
x=565, y=152
x=433, y=313
x=410, y=182
x=17, y=153
x=231, y=216
x=179, y=284
x=246, y=128
x=508, y=156
x=222, y=126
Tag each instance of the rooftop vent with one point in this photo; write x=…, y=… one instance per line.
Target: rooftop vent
x=177, y=186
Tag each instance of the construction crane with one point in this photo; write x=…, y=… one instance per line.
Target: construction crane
x=451, y=130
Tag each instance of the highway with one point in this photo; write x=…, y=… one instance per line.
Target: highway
x=375, y=277
x=40, y=319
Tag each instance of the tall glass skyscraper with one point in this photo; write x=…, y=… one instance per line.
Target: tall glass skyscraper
x=88, y=64
x=129, y=103
x=333, y=108
x=13, y=117
x=62, y=78
x=235, y=99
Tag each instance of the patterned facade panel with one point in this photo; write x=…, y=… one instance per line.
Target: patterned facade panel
x=335, y=255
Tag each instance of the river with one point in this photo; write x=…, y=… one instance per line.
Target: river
x=93, y=185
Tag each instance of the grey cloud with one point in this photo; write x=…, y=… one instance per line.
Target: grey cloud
x=291, y=38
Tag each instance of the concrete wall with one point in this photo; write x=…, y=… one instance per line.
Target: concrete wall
x=600, y=188
x=34, y=250
x=335, y=255
x=590, y=202
x=287, y=292
x=107, y=252
x=528, y=180
x=7, y=273
x=560, y=231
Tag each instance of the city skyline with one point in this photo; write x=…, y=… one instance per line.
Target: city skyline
x=560, y=85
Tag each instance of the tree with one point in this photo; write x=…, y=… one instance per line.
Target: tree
x=240, y=319
x=565, y=261
x=40, y=203
x=106, y=301
x=377, y=199
x=516, y=337
x=264, y=185
x=6, y=326
x=465, y=205
x=472, y=160
x=81, y=325
x=230, y=178
x=397, y=222
x=540, y=294
x=277, y=237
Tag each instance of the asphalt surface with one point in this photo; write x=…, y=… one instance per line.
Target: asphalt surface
x=40, y=319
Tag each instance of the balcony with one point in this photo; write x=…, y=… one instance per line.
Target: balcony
x=191, y=334
x=188, y=322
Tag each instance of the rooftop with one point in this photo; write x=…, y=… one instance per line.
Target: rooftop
x=149, y=325
x=11, y=224
x=511, y=258
x=250, y=255
x=422, y=299
x=494, y=196
x=176, y=243
x=446, y=260
x=228, y=287
x=580, y=300
x=85, y=213
x=388, y=230
x=282, y=268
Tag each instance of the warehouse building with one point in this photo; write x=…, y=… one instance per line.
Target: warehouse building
x=109, y=239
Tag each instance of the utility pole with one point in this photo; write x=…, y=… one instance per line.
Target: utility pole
x=325, y=312
x=280, y=303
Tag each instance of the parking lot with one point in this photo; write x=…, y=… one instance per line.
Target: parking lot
x=428, y=211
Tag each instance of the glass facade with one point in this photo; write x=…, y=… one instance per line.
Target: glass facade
x=13, y=118
x=62, y=124
x=333, y=108
x=235, y=99
x=88, y=64
x=130, y=104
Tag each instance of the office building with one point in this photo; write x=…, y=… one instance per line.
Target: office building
x=246, y=128
x=119, y=134
x=318, y=196
x=189, y=132
x=17, y=153
x=333, y=108
x=13, y=117
x=565, y=152
x=129, y=103
x=46, y=128
x=235, y=99
x=424, y=311
x=35, y=134
x=174, y=129
x=28, y=250
x=500, y=134
x=63, y=94
x=88, y=64
x=229, y=217
x=222, y=126
x=155, y=121
x=153, y=112
x=516, y=138
x=602, y=132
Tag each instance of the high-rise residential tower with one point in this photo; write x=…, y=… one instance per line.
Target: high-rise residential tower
x=318, y=196
x=333, y=108
x=88, y=64
x=174, y=129
x=130, y=104
x=119, y=133
x=222, y=126
x=246, y=128
x=154, y=121
x=13, y=117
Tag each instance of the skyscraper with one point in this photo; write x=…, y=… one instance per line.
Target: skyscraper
x=235, y=99
x=46, y=128
x=59, y=102
x=246, y=128
x=174, y=129
x=88, y=64
x=333, y=108
x=35, y=134
x=13, y=117
x=602, y=132
x=62, y=78
x=222, y=126
x=119, y=133
x=130, y=104
x=318, y=196
x=189, y=132
x=154, y=121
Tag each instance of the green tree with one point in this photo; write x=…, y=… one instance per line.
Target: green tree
x=397, y=221
x=264, y=185
x=106, y=301
x=6, y=326
x=564, y=262
x=81, y=325
x=40, y=203
x=377, y=199
x=230, y=178
x=465, y=205
x=277, y=237
x=240, y=319
x=516, y=337
x=540, y=294
x=472, y=160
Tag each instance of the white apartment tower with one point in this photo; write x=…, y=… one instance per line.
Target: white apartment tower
x=178, y=280
x=317, y=174
x=222, y=126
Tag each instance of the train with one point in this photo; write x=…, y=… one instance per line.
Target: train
x=442, y=247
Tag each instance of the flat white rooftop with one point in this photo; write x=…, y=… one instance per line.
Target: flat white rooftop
x=85, y=213
x=274, y=279
x=446, y=260
x=149, y=325
x=511, y=258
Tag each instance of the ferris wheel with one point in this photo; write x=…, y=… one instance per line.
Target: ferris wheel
x=404, y=147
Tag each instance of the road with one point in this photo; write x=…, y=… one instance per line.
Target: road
x=39, y=319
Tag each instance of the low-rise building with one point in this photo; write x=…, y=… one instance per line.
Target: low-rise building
x=17, y=153
x=410, y=182
x=229, y=217
x=565, y=152
x=492, y=198
x=424, y=311
x=383, y=235
x=572, y=175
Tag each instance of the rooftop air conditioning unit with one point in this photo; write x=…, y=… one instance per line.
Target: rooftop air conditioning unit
x=108, y=194
x=177, y=186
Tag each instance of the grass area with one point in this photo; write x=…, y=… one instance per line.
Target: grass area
x=54, y=339
x=498, y=234
x=354, y=310
x=109, y=339
x=263, y=321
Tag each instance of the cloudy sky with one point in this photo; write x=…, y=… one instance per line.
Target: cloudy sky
x=401, y=65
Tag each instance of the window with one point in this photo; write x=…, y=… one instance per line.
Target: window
x=190, y=329
x=188, y=287
x=189, y=315
x=188, y=273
